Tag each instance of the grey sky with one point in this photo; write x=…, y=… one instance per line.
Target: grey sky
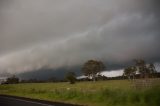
x=58, y=33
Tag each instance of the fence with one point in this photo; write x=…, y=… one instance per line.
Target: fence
x=145, y=83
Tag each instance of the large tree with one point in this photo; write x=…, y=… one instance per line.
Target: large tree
x=92, y=68
x=145, y=69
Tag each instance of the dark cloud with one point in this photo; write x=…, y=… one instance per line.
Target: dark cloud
x=55, y=34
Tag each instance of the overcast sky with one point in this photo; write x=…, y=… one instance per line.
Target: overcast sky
x=59, y=33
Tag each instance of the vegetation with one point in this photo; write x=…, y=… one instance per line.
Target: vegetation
x=145, y=70
x=12, y=80
x=71, y=77
x=93, y=67
x=130, y=72
x=100, y=93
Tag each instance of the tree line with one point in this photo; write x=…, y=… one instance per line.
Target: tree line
x=93, y=68
x=140, y=69
x=146, y=70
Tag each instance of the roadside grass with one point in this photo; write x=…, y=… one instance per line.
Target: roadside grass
x=100, y=93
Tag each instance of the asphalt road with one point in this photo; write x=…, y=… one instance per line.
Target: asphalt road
x=17, y=101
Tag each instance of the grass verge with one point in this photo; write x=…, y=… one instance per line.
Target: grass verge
x=101, y=93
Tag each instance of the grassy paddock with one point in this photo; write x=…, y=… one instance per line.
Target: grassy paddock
x=100, y=93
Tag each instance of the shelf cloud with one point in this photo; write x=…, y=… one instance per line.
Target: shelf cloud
x=58, y=33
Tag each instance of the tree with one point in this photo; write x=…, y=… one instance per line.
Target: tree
x=12, y=80
x=130, y=72
x=144, y=69
x=71, y=77
x=151, y=68
x=93, y=67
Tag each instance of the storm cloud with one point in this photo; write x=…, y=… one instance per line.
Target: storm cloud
x=58, y=33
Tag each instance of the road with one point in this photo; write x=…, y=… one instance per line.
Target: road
x=17, y=101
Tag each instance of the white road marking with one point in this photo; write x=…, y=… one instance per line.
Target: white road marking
x=28, y=101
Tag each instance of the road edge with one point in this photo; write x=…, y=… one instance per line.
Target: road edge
x=40, y=101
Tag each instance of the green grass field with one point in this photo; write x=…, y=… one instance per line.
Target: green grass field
x=100, y=93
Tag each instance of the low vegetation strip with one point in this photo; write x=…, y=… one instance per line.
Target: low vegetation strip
x=100, y=93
